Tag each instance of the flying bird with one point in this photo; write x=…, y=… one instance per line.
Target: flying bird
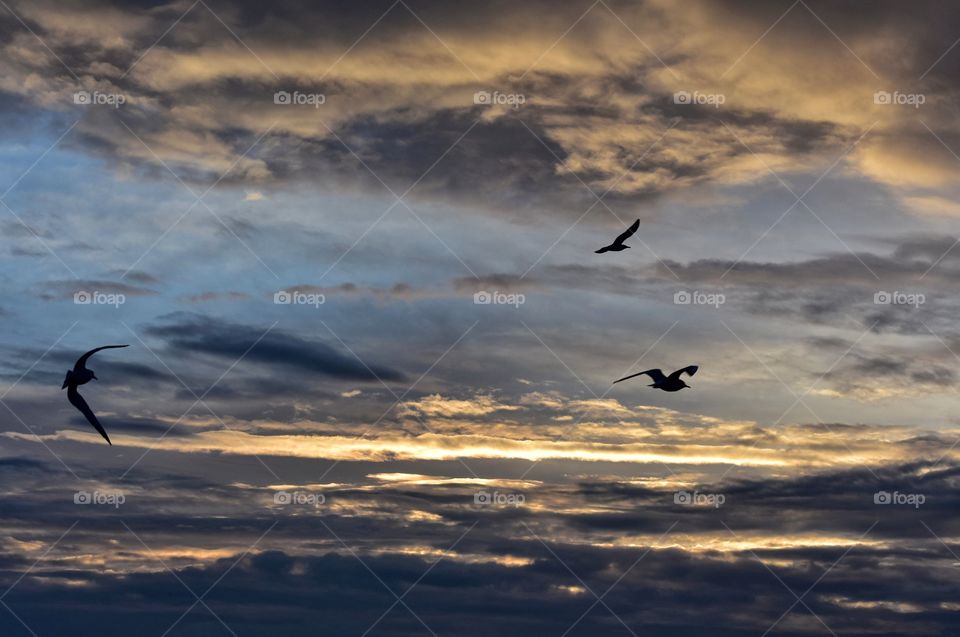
x=617, y=244
x=80, y=375
x=672, y=382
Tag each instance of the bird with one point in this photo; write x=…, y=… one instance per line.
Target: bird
x=672, y=382
x=80, y=375
x=617, y=244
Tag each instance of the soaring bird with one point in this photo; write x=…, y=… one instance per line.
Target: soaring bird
x=80, y=375
x=617, y=244
x=666, y=383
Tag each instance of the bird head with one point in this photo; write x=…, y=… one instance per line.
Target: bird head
x=93, y=376
x=682, y=384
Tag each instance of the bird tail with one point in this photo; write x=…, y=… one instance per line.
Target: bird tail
x=66, y=381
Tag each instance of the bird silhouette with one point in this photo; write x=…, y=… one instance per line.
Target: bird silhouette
x=666, y=383
x=80, y=375
x=617, y=244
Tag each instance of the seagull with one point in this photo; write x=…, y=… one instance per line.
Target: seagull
x=666, y=383
x=80, y=375
x=617, y=244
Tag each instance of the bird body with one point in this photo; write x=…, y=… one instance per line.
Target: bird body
x=670, y=383
x=618, y=245
x=80, y=375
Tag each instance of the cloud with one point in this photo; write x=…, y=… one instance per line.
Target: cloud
x=397, y=292
x=137, y=276
x=436, y=405
x=190, y=334
x=65, y=290
x=596, y=106
x=498, y=185
x=438, y=428
x=517, y=567
x=501, y=282
x=207, y=297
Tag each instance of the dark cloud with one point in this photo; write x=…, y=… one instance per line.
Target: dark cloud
x=207, y=297
x=23, y=231
x=193, y=334
x=523, y=571
x=24, y=251
x=137, y=276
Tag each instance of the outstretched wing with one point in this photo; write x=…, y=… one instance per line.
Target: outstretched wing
x=82, y=361
x=77, y=401
x=690, y=371
x=627, y=233
x=655, y=374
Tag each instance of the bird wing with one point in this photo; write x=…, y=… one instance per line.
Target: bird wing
x=77, y=401
x=655, y=374
x=689, y=370
x=627, y=233
x=82, y=361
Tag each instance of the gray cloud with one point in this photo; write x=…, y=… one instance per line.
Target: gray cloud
x=65, y=290
x=193, y=334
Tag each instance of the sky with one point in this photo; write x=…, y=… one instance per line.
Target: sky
x=369, y=382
